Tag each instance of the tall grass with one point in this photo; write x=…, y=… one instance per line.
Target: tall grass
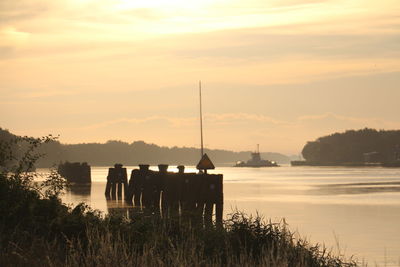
x=150, y=241
x=244, y=241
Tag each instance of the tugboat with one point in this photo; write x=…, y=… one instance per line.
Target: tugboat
x=256, y=161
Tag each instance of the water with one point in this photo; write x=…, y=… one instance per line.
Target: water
x=354, y=211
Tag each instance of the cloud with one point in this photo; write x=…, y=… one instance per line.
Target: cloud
x=232, y=118
x=331, y=120
x=210, y=119
x=172, y=121
x=143, y=13
x=22, y=10
x=11, y=38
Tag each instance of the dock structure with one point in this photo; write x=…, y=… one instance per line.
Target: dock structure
x=75, y=172
x=116, y=182
x=187, y=195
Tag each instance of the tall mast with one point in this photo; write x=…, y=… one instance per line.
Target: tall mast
x=258, y=148
x=201, y=122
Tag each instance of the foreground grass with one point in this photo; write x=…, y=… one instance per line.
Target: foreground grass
x=36, y=229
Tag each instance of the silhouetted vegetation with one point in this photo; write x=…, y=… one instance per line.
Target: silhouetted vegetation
x=348, y=148
x=36, y=229
x=138, y=152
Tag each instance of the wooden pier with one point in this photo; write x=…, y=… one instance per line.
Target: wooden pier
x=116, y=182
x=186, y=195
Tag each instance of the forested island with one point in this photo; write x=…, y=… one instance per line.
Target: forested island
x=137, y=152
x=354, y=148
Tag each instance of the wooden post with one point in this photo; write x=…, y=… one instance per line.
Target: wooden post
x=164, y=205
x=171, y=193
x=148, y=190
x=159, y=179
x=109, y=183
x=138, y=179
x=197, y=190
x=137, y=186
x=219, y=210
x=219, y=207
x=208, y=194
x=119, y=192
x=126, y=189
x=175, y=194
x=129, y=188
x=208, y=213
x=108, y=189
x=187, y=199
x=113, y=189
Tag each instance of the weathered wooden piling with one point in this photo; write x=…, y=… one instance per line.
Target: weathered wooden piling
x=75, y=172
x=136, y=183
x=171, y=193
x=214, y=194
x=113, y=188
x=108, y=186
x=130, y=191
x=158, y=185
x=116, y=181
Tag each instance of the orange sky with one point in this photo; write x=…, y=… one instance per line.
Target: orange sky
x=277, y=73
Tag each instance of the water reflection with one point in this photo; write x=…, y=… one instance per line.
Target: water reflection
x=356, y=188
x=80, y=189
x=123, y=208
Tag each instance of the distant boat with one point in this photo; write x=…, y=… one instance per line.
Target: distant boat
x=256, y=161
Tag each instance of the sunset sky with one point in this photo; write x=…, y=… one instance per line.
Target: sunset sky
x=274, y=72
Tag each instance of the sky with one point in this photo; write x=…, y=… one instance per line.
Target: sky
x=277, y=73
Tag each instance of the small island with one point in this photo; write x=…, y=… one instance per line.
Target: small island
x=365, y=147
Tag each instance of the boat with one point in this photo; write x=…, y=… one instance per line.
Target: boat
x=256, y=161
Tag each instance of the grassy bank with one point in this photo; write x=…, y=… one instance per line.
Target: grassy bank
x=36, y=229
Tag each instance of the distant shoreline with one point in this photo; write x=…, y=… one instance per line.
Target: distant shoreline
x=345, y=164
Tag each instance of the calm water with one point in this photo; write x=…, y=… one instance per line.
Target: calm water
x=355, y=211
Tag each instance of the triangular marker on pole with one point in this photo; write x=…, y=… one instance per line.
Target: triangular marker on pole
x=205, y=163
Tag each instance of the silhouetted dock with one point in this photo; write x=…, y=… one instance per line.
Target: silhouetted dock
x=186, y=195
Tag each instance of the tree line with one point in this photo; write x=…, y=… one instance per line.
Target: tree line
x=350, y=146
x=137, y=152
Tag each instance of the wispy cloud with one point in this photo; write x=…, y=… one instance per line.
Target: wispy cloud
x=21, y=10
x=172, y=121
x=211, y=119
